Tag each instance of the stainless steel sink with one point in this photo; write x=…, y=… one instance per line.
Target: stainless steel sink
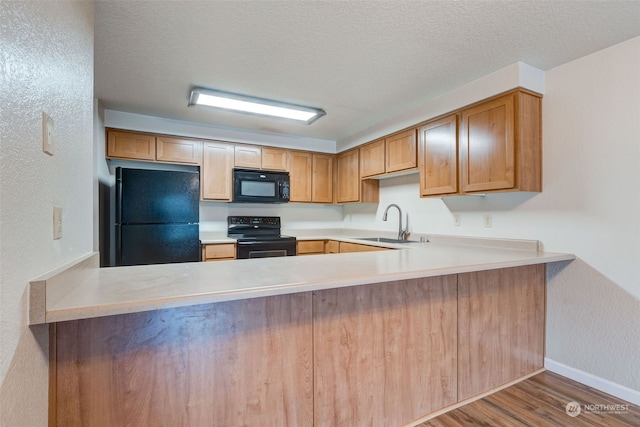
x=385, y=240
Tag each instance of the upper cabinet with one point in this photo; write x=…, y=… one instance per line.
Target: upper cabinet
x=372, y=159
x=141, y=146
x=131, y=145
x=275, y=159
x=501, y=144
x=247, y=156
x=401, y=151
x=261, y=158
x=493, y=145
x=216, y=179
x=392, y=154
x=311, y=176
x=178, y=150
x=350, y=188
x=438, y=156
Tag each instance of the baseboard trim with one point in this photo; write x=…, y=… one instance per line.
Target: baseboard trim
x=606, y=386
x=471, y=399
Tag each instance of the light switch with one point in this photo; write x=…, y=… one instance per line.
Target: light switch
x=57, y=223
x=47, y=134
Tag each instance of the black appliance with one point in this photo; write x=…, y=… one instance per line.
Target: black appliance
x=157, y=216
x=254, y=186
x=259, y=237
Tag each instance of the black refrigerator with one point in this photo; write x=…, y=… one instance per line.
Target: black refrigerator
x=156, y=216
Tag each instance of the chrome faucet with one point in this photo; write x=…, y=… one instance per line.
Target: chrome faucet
x=402, y=233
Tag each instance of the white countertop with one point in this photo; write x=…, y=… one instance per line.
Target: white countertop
x=84, y=291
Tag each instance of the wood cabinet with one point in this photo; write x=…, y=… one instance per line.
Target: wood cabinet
x=372, y=159
x=216, y=178
x=501, y=144
x=322, y=178
x=392, y=154
x=332, y=247
x=247, y=156
x=350, y=188
x=311, y=247
x=149, y=147
x=438, y=156
x=311, y=176
x=131, y=145
x=384, y=354
x=501, y=318
x=266, y=158
x=346, y=247
x=275, y=159
x=218, y=251
x=178, y=150
x=300, y=176
x=401, y=152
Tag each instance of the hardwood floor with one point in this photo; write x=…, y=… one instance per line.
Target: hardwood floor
x=541, y=401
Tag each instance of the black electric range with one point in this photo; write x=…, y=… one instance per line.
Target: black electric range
x=259, y=237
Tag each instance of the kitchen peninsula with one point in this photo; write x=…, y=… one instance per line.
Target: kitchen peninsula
x=377, y=338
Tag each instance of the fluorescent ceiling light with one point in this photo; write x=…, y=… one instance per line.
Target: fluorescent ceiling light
x=252, y=105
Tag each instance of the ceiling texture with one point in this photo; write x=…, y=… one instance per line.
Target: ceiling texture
x=363, y=62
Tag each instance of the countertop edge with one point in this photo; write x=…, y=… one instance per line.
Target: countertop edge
x=54, y=314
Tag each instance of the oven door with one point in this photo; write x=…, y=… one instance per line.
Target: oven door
x=265, y=248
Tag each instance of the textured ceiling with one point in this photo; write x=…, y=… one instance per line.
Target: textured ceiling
x=361, y=61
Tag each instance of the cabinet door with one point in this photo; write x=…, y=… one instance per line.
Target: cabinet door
x=348, y=177
x=310, y=247
x=401, y=151
x=248, y=157
x=217, y=166
x=372, y=159
x=438, y=156
x=487, y=146
x=346, y=247
x=218, y=251
x=322, y=178
x=300, y=176
x=177, y=150
x=275, y=159
x=332, y=247
x=131, y=145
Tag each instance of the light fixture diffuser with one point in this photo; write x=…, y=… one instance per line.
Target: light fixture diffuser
x=251, y=105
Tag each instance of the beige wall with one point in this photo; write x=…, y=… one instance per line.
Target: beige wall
x=590, y=206
x=47, y=66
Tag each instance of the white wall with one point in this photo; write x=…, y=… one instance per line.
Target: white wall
x=47, y=54
x=590, y=206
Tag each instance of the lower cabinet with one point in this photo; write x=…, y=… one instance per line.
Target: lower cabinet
x=311, y=247
x=383, y=354
x=346, y=247
x=218, y=251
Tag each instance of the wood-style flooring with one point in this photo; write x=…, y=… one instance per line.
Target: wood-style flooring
x=541, y=401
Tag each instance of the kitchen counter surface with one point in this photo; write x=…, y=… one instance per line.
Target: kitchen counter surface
x=81, y=290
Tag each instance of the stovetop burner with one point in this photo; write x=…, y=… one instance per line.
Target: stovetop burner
x=255, y=228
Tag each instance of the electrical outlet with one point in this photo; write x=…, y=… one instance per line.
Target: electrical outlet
x=57, y=223
x=456, y=220
x=47, y=134
x=488, y=221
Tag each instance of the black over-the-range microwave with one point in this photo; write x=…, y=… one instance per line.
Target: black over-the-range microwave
x=255, y=186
